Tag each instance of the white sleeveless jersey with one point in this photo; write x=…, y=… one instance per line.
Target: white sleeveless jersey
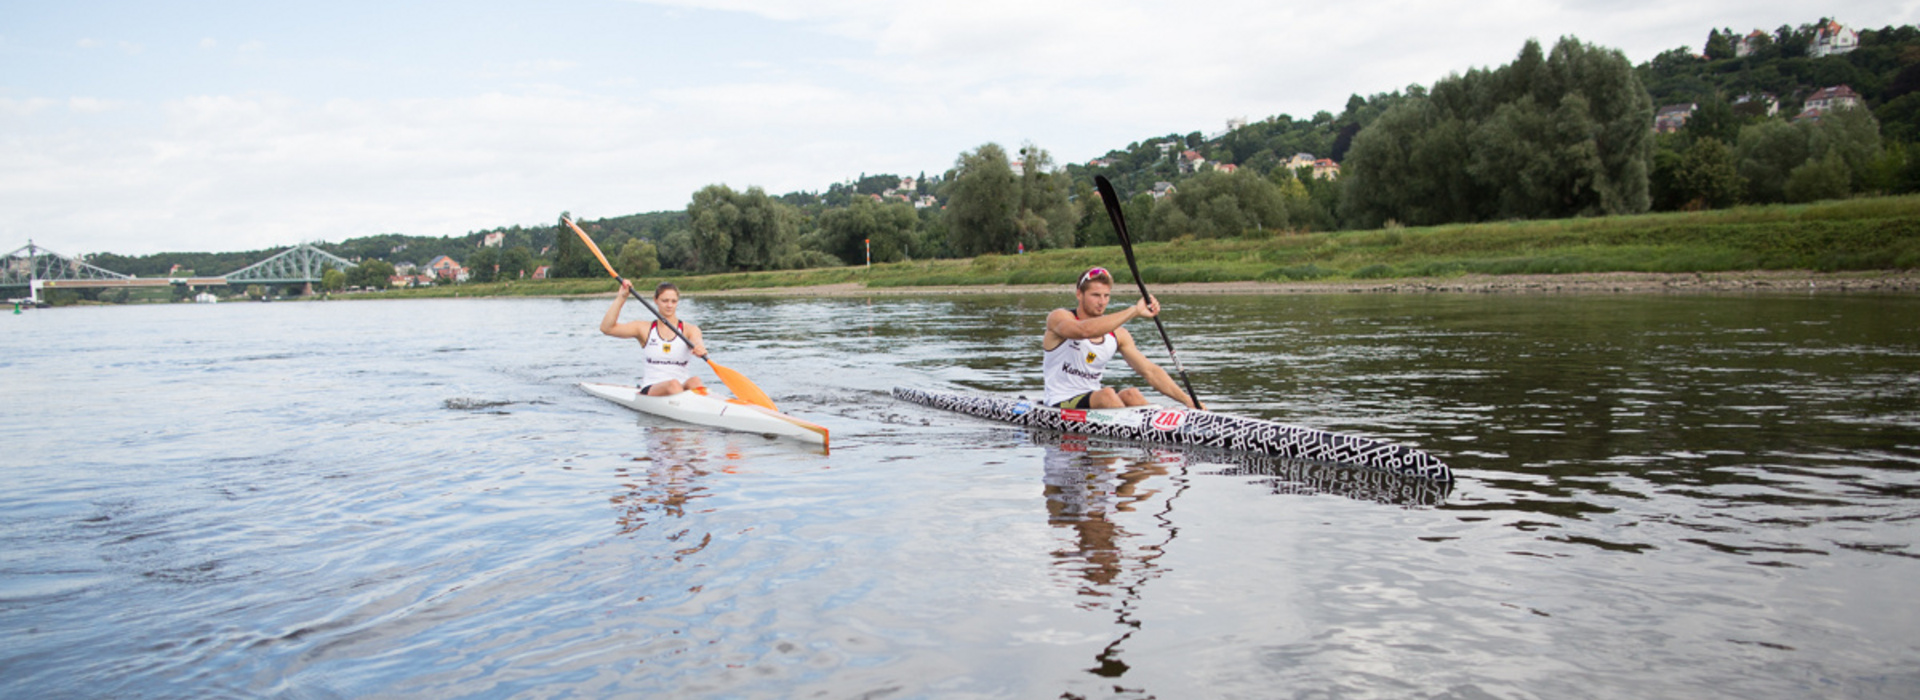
x=666, y=359
x=1075, y=366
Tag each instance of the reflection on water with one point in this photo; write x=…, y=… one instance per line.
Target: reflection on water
x=1116, y=504
x=662, y=483
x=1658, y=497
x=1089, y=490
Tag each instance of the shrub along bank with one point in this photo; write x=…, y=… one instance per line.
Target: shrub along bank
x=1881, y=233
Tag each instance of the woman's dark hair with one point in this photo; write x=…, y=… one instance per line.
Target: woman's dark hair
x=662, y=289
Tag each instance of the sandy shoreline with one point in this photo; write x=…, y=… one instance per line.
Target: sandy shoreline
x=1582, y=283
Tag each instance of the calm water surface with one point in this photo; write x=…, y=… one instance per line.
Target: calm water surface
x=1710, y=496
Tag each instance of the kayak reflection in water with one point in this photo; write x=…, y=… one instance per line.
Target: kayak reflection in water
x=668, y=348
x=1092, y=492
x=1079, y=342
x=664, y=483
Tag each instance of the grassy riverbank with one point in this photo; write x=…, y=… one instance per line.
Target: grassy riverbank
x=1881, y=233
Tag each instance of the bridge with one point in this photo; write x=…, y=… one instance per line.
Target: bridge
x=32, y=268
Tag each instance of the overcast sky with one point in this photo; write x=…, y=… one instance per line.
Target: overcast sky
x=217, y=125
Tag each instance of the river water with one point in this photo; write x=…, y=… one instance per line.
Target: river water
x=1658, y=496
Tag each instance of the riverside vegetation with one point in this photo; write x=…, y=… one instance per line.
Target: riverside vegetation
x=1879, y=233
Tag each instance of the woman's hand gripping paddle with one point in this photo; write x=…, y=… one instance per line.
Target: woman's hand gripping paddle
x=742, y=388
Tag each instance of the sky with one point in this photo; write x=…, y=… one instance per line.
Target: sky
x=225, y=125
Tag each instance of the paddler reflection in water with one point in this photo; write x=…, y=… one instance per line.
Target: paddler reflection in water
x=1079, y=341
x=668, y=348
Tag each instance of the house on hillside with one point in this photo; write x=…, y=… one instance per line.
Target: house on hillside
x=1326, y=169
x=1750, y=43
x=445, y=269
x=1672, y=117
x=540, y=272
x=926, y=200
x=1163, y=189
x=1828, y=99
x=1833, y=39
x=1228, y=168
x=1190, y=161
x=494, y=240
x=1298, y=161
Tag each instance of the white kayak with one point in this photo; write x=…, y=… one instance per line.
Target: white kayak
x=701, y=409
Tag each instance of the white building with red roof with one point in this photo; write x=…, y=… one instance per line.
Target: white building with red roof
x=1833, y=39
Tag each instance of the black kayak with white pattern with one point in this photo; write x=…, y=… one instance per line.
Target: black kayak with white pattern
x=1184, y=426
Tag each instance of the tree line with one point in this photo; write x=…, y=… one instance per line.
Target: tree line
x=1554, y=133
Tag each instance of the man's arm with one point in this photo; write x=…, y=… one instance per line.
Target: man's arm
x=1156, y=377
x=1062, y=323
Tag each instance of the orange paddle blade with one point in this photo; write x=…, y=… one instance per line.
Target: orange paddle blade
x=591, y=246
x=742, y=388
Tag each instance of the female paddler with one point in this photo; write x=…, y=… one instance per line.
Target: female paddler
x=668, y=348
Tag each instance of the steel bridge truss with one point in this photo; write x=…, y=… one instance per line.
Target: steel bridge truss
x=301, y=263
x=32, y=264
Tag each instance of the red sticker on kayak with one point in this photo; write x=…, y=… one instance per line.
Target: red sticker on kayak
x=1074, y=415
x=1169, y=420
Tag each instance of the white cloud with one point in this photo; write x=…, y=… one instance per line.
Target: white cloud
x=130, y=48
x=86, y=43
x=251, y=172
x=24, y=108
x=252, y=45
x=208, y=43
x=93, y=105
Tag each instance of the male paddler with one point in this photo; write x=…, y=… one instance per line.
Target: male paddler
x=1080, y=340
x=667, y=348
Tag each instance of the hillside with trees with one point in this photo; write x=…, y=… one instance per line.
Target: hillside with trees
x=1565, y=132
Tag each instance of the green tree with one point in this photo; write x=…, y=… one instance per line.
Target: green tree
x=983, y=198
x=371, y=274
x=517, y=262
x=638, y=258
x=483, y=265
x=1900, y=117
x=1719, y=44
x=331, y=280
x=678, y=252
x=1827, y=177
x=1709, y=175
x=1713, y=119
x=1852, y=134
x=1545, y=136
x=845, y=232
x=1766, y=155
x=743, y=230
x=571, y=258
x=1219, y=205
x=1047, y=213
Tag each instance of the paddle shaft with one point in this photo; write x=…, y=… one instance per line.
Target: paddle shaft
x=1112, y=200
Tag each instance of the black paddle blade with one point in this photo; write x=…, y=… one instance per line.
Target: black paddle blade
x=1112, y=200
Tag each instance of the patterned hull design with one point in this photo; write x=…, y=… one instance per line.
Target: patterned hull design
x=1181, y=426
